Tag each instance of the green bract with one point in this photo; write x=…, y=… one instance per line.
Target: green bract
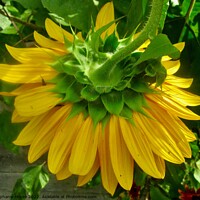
x=118, y=90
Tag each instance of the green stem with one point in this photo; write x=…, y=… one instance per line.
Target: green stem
x=102, y=74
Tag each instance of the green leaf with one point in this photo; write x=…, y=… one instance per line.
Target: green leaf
x=89, y=93
x=197, y=174
x=19, y=192
x=113, y=102
x=77, y=13
x=30, y=4
x=159, y=46
x=96, y=111
x=139, y=175
x=34, y=179
x=156, y=194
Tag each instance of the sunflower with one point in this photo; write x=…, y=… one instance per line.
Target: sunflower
x=85, y=125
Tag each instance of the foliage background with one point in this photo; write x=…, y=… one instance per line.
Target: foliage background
x=20, y=18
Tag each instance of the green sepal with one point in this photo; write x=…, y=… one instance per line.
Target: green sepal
x=58, y=65
x=71, y=67
x=111, y=43
x=72, y=93
x=95, y=37
x=134, y=100
x=113, y=102
x=127, y=113
x=89, y=93
x=77, y=108
x=141, y=86
x=62, y=83
x=105, y=121
x=159, y=46
x=122, y=85
x=96, y=111
x=81, y=78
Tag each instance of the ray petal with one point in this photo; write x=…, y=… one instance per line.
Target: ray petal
x=45, y=135
x=36, y=101
x=121, y=159
x=26, y=73
x=109, y=179
x=84, y=148
x=33, y=55
x=161, y=142
x=64, y=173
x=29, y=132
x=56, y=32
x=140, y=148
x=105, y=16
x=61, y=145
x=179, y=82
x=82, y=180
x=48, y=43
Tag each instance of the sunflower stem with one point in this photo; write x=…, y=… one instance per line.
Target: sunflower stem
x=101, y=76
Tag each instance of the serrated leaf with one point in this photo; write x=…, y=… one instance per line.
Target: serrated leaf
x=113, y=102
x=159, y=46
x=34, y=179
x=96, y=111
x=89, y=93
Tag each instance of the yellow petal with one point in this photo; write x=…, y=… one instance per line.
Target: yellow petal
x=179, y=82
x=36, y=101
x=26, y=73
x=61, y=145
x=48, y=43
x=140, y=148
x=122, y=161
x=161, y=142
x=84, y=148
x=56, y=32
x=172, y=66
x=29, y=132
x=33, y=55
x=173, y=127
x=82, y=180
x=180, y=46
x=173, y=107
x=16, y=118
x=181, y=96
x=45, y=135
x=160, y=164
x=64, y=173
x=109, y=180
x=104, y=17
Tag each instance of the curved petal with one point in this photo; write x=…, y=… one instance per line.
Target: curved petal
x=82, y=180
x=173, y=107
x=182, y=97
x=46, y=133
x=104, y=17
x=84, y=149
x=64, y=173
x=26, y=73
x=172, y=127
x=56, y=32
x=16, y=118
x=48, y=43
x=61, y=145
x=33, y=55
x=172, y=66
x=178, y=82
x=140, y=148
x=29, y=132
x=109, y=180
x=160, y=141
x=36, y=101
x=122, y=161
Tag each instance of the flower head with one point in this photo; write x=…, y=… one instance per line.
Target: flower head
x=84, y=124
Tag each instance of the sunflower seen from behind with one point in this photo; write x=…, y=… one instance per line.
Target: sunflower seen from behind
x=85, y=125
